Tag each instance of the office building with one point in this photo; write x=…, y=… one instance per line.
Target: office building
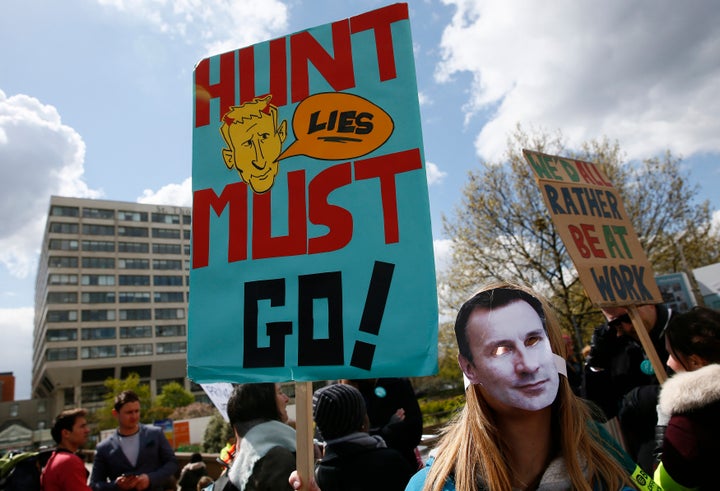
x=110, y=299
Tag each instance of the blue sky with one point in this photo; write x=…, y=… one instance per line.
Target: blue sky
x=96, y=98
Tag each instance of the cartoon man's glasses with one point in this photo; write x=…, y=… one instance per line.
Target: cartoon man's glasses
x=617, y=321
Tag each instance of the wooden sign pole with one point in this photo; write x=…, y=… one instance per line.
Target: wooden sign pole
x=647, y=345
x=305, y=457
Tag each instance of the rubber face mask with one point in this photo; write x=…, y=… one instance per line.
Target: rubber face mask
x=512, y=358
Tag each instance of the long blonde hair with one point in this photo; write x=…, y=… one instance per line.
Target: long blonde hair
x=470, y=447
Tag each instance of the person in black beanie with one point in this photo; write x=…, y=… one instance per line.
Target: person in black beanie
x=353, y=459
x=394, y=414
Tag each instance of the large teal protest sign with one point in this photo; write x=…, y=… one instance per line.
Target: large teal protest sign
x=312, y=249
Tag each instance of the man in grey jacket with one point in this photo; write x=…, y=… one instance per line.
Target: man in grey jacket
x=136, y=456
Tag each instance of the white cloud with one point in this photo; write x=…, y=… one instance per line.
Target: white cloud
x=16, y=326
x=40, y=157
x=443, y=252
x=434, y=174
x=624, y=70
x=219, y=25
x=170, y=194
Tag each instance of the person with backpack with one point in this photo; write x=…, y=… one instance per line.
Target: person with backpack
x=65, y=470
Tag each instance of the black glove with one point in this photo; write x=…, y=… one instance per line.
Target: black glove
x=602, y=346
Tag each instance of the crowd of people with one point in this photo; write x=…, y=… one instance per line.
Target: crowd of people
x=532, y=420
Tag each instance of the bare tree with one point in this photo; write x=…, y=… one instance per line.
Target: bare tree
x=502, y=230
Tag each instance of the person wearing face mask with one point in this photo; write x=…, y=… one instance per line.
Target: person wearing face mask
x=691, y=399
x=522, y=428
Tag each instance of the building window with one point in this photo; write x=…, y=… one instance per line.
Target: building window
x=62, y=315
x=169, y=314
x=62, y=262
x=63, y=228
x=91, y=375
x=134, y=297
x=95, y=333
x=165, y=297
x=133, y=231
x=98, y=262
x=93, y=393
x=186, y=249
x=92, y=229
x=14, y=407
x=98, y=213
x=98, y=279
x=61, y=335
x=169, y=331
x=61, y=354
x=62, y=297
x=41, y=406
x=62, y=245
x=166, y=248
x=186, y=234
x=165, y=233
x=128, y=263
x=98, y=315
x=168, y=348
x=136, y=247
x=136, y=349
x=98, y=297
x=167, y=264
x=165, y=218
x=64, y=211
x=186, y=219
x=135, y=332
x=167, y=280
x=98, y=245
x=132, y=216
x=62, y=279
x=69, y=396
x=133, y=280
x=90, y=352
x=135, y=314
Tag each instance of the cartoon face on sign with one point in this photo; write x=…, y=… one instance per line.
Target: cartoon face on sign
x=327, y=126
x=254, y=140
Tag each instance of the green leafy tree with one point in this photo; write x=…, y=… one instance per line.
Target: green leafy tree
x=502, y=230
x=115, y=386
x=217, y=434
x=174, y=395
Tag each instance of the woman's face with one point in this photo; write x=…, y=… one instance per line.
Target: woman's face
x=282, y=400
x=512, y=359
x=681, y=363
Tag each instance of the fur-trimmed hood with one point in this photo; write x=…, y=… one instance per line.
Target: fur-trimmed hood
x=689, y=391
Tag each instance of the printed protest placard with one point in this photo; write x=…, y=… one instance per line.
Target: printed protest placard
x=312, y=249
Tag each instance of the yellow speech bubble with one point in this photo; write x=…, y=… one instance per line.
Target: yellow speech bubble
x=337, y=126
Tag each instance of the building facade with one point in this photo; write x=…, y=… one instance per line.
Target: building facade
x=110, y=299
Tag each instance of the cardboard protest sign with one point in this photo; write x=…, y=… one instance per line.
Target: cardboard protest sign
x=589, y=216
x=312, y=249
